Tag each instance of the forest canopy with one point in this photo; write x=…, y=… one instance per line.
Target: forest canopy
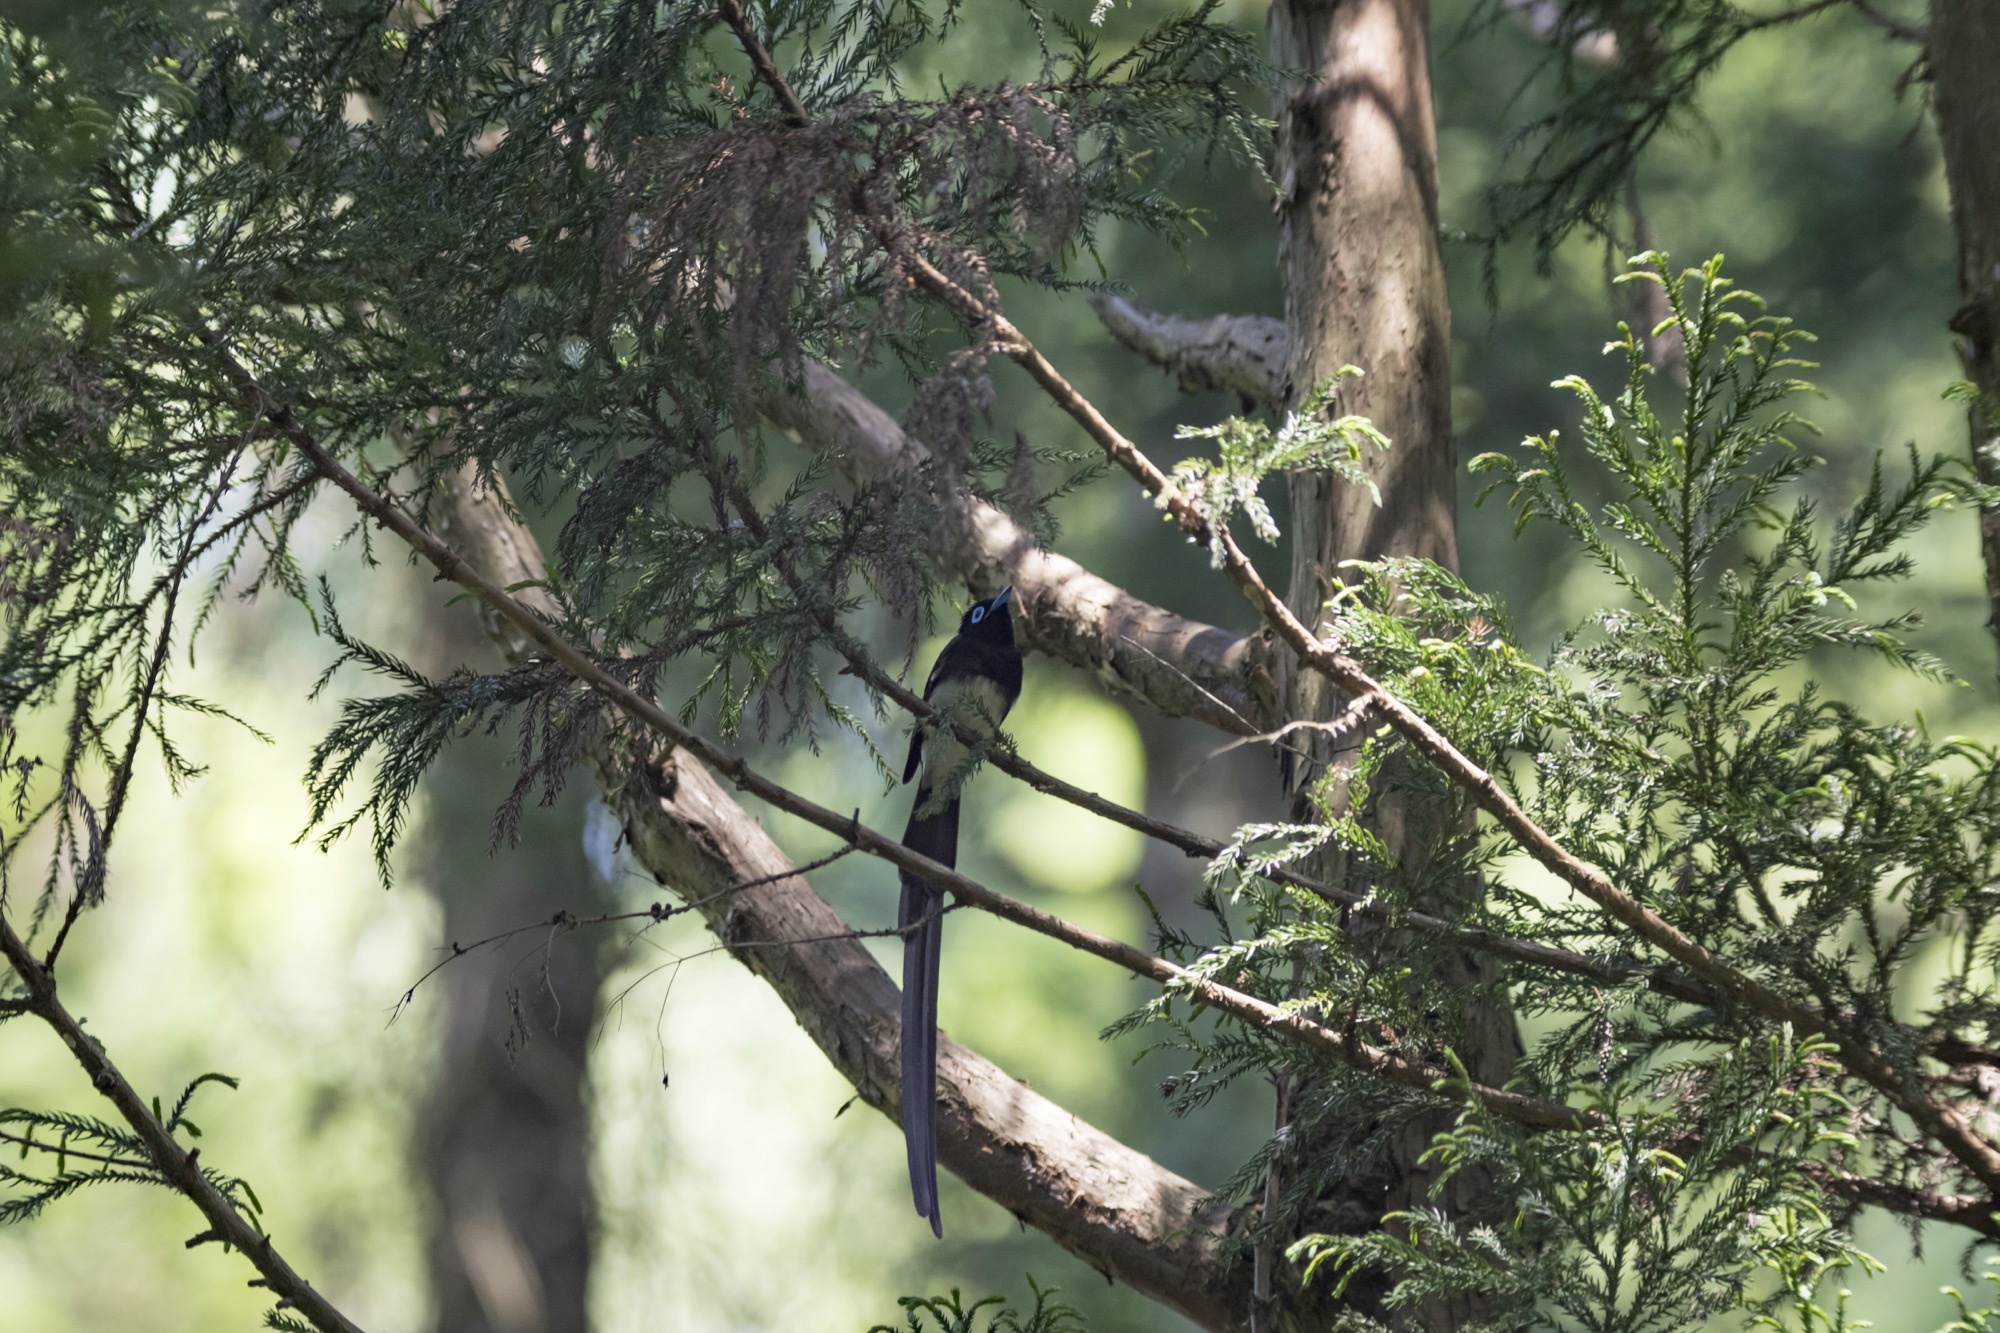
x=1528, y=856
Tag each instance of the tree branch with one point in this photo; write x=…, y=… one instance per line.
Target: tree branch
x=1974, y=1213
x=29, y=1141
x=760, y=59
x=171, y=1160
x=1240, y=354
x=1134, y=649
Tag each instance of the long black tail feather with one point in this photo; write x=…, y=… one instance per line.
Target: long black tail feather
x=935, y=836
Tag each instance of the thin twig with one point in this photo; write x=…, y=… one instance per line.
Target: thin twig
x=760, y=60
x=1191, y=681
x=1339, y=729
x=59, y=1150
x=1901, y=30
x=1785, y=16
x=655, y=915
x=1969, y=1211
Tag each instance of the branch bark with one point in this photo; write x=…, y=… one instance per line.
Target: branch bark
x=1964, y=48
x=1134, y=649
x=1246, y=355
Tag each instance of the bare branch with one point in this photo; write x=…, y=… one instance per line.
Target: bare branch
x=30, y=1142
x=657, y=914
x=1240, y=354
x=1969, y=1211
x=760, y=59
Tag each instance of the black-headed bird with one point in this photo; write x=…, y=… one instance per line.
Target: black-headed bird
x=976, y=680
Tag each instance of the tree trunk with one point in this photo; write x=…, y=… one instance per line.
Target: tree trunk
x=1365, y=286
x=1965, y=76
x=1363, y=277
x=504, y=1139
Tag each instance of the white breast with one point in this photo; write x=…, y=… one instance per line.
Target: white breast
x=973, y=702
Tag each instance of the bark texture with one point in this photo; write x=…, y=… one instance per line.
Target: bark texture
x=1241, y=354
x=1965, y=75
x=1363, y=277
x=1365, y=286
x=1109, y=1204
x=1136, y=650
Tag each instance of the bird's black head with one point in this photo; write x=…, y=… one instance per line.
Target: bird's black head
x=990, y=620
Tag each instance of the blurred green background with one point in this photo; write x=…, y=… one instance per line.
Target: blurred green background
x=730, y=1191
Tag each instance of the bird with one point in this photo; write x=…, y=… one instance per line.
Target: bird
x=975, y=681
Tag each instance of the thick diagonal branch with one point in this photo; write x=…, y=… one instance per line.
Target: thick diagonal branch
x=1135, y=650
x=1110, y=1205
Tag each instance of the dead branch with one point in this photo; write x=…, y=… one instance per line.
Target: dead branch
x=1241, y=354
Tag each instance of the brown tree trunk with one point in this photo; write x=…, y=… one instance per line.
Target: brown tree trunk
x=1365, y=286
x=504, y=1139
x=1363, y=277
x=1965, y=74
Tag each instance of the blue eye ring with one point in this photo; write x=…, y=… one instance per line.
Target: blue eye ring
x=978, y=614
